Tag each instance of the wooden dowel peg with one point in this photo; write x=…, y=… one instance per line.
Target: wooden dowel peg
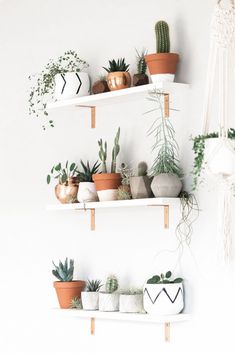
x=92, y=219
x=166, y=217
x=167, y=331
x=166, y=105
x=93, y=113
x=92, y=326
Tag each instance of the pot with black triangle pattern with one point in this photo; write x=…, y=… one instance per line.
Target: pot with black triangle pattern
x=163, y=296
x=71, y=85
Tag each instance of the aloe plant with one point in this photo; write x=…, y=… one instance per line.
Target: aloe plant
x=118, y=65
x=64, y=272
x=93, y=285
x=164, y=278
x=86, y=175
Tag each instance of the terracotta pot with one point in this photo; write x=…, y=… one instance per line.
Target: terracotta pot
x=140, y=79
x=67, y=192
x=118, y=80
x=106, y=185
x=163, y=65
x=66, y=291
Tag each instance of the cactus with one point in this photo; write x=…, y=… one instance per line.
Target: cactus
x=162, y=37
x=64, y=272
x=142, y=169
x=115, y=151
x=111, y=284
x=141, y=64
x=103, y=155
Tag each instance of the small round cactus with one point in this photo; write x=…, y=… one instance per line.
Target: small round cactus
x=142, y=169
x=111, y=284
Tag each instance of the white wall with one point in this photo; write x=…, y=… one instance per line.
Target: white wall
x=125, y=242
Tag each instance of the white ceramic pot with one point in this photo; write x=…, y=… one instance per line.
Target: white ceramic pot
x=108, y=195
x=162, y=78
x=108, y=301
x=219, y=156
x=71, y=85
x=164, y=299
x=90, y=300
x=131, y=303
x=87, y=192
x=166, y=185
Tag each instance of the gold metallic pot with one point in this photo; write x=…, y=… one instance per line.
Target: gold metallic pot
x=118, y=80
x=67, y=192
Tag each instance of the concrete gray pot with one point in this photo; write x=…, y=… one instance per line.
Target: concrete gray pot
x=140, y=187
x=166, y=185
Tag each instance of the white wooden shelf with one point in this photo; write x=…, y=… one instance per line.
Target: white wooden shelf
x=166, y=203
x=124, y=95
x=117, y=316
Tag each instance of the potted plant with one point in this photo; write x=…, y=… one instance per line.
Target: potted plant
x=131, y=301
x=107, y=183
x=109, y=300
x=141, y=184
x=62, y=78
x=67, y=188
x=164, y=295
x=141, y=78
x=101, y=85
x=223, y=161
x=162, y=65
x=124, y=190
x=66, y=288
x=90, y=297
x=165, y=170
x=87, y=191
x=118, y=75
x=76, y=303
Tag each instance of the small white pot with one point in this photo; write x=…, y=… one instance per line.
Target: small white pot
x=108, y=301
x=90, y=300
x=162, y=78
x=131, y=303
x=164, y=299
x=108, y=195
x=87, y=192
x=219, y=156
x=71, y=85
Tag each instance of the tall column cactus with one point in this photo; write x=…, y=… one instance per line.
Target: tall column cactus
x=162, y=37
x=115, y=151
x=103, y=154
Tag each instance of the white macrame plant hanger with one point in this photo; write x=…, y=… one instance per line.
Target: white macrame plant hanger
x=220, y=55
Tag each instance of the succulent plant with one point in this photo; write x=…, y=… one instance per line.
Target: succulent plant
x=64, y=272
x=93, y=285
x=164, y=278
x=118, y=65
x=63, y=173
x=111, y=284
x=162, y=37
x=76, y=303
x=115, y=151
x=142, y=169
x=141, y=64
x=86, y=175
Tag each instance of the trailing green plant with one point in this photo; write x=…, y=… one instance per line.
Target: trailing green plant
x=117, y=65
x=115, y=152
x=111, y=284
x=86, y=175
x=76, y=303
x=64, y=271
x=199, y=149
x=93, y=285
x=164, y=278
x=43, y=84
x=126, y=173
x=141, y=64
x=63, y=173
x=142, y=169
x=165, y=146
x=162, y=37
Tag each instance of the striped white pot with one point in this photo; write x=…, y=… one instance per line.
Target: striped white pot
x=164, y=299
x=71, y=85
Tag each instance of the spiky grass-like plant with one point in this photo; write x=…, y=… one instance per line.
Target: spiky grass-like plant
x=117, y=65
x=64, y=272
x=93, y=285
x=86, y=175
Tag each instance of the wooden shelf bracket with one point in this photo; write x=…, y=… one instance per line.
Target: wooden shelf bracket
x=92, y=219
x=167, y=327
x=92, y=325
x=166, y=217
x=93, y=113
x=166, y=105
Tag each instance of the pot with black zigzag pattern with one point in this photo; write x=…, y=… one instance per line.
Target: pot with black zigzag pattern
x=163, y=298
x=71, y=85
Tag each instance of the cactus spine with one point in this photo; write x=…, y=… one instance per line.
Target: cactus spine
x=142, y=169
x=115, y=151
x=162, y=37
x=111, y=284
x=103, y=154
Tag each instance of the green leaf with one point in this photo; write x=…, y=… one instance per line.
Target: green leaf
x=48, y=179
x=58, y=167
x=73, y=165
x=168, y=274
x=178, y=280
